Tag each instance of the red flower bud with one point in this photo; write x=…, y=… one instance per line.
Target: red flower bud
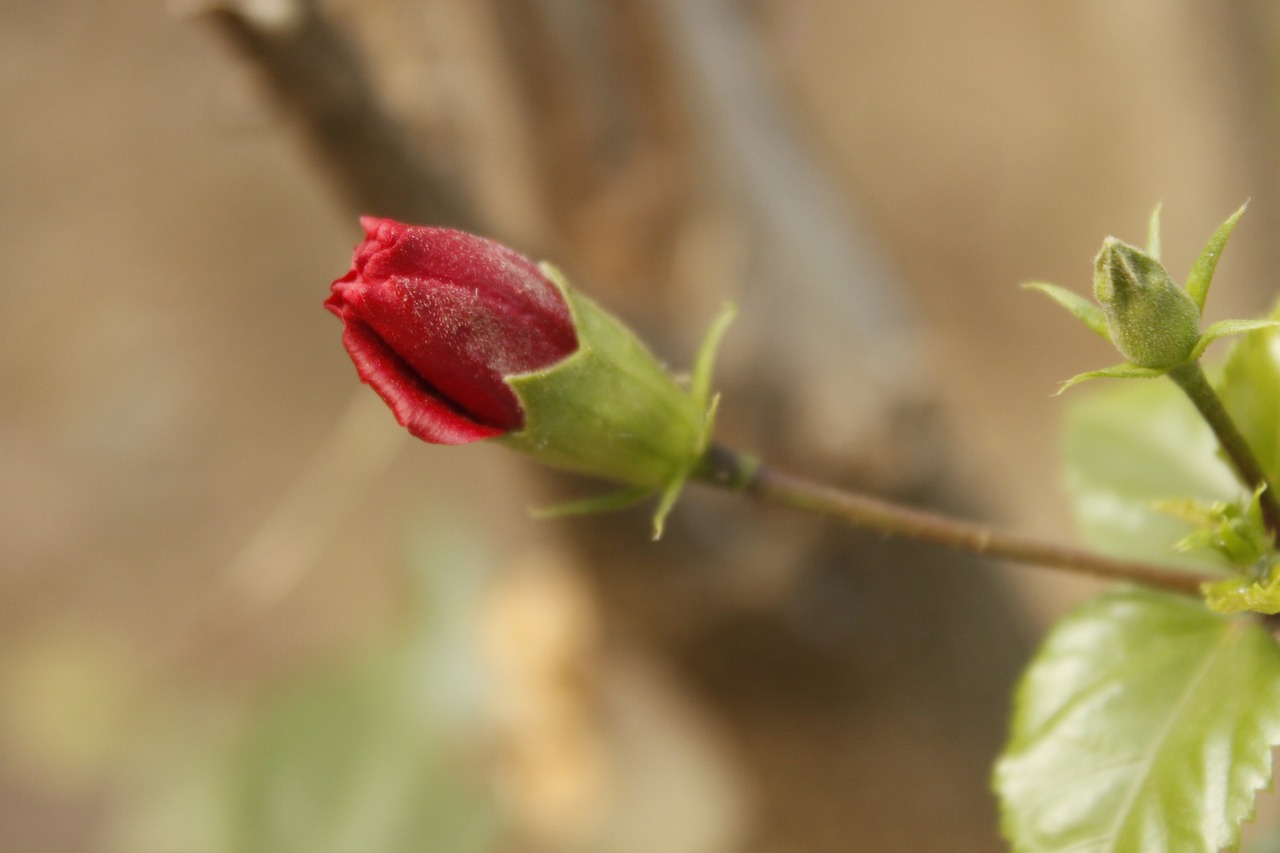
x=436, y=320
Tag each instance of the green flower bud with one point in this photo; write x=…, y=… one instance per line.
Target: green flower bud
x=1151, y=320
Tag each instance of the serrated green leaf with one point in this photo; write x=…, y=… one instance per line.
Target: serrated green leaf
x=1118, y=371
x=1083, y=310
x=1242, y=595
x=1202, y=271
x=1145, y=723
x=1130, y=447
x=1250, y=389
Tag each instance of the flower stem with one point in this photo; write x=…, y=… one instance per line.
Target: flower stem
x=729, y=469
x=1191, y=379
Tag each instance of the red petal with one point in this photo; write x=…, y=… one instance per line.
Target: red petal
x=416, y=406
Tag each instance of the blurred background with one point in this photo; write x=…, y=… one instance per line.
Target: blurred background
x=240, y=610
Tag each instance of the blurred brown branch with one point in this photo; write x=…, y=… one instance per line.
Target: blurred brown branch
x=315, y=74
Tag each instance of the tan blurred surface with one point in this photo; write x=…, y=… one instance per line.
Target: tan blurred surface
x=168, y=373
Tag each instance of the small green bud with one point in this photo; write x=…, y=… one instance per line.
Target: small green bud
x=1151, y=320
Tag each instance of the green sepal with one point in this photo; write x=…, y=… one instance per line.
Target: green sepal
x=610, y=409
x=700, y=387
x=1223, y=328
x=704, y=364
x=1202, y=271
x=1244, y=595
x=1127, y=370
x=666, y=503
x=611, y=502
x=1084, y=310
x=1153, y=233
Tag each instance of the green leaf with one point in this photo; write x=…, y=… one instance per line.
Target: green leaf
x=1084, y=310
x=1125, y=370
x=1145, y=723
x=1130, y=447
x=1243, y=595
x=1153, y=233
x=1250, y=389
x=1223, y=328
x=1202, y=272
x=1234, y=530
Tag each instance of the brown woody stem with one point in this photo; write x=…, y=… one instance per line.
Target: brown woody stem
x=729, y=469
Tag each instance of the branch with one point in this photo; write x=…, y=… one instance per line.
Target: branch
x=730, y=470
x=315, y=74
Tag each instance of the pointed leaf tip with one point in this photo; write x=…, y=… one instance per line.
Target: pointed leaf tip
x=1127, y=370
x=1203, y=269
x=1153, y=232
x=667, y=502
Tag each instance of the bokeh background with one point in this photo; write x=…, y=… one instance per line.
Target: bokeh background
x=239, y=610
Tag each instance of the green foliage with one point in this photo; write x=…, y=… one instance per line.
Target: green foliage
x=1147, y=720
x=1152, y=321
x=1250, y=389
x=1145, y=723
x=385, y=751
x=1234, y=531
x=1243, y=595
x=1130, y=448
x=382, y=753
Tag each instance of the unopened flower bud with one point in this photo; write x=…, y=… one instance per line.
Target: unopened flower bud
x=1151, y=320
x=465, y=339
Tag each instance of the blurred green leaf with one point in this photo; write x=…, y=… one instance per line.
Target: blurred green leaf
x=384, y=751
x=1250, y=389
x=1145, y=723
x=1130, y=447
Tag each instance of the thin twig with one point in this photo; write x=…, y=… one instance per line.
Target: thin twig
x=731, y=470
x=316, y=74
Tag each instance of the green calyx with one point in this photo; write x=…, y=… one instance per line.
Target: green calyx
x=611, y=410
x=1140, y=309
